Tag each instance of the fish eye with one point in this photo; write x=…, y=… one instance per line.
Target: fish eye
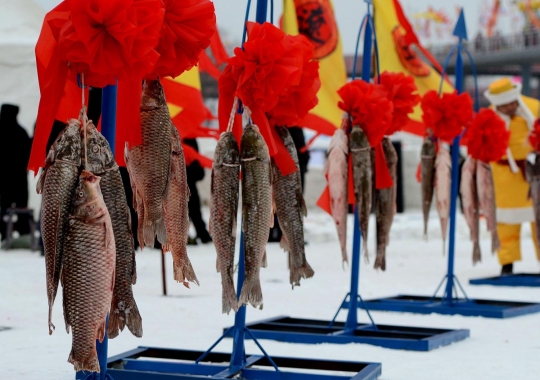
x=95, y=149
x=81, y=194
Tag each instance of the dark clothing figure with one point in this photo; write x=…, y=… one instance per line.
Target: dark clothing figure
x=297, y=134
x=14, y=155
x=195, y=173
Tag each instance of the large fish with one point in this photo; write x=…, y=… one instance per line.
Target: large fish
x=98, y=158
x=469, y=199
x=57, y=185
x=291, y=210
x=149, y=163
x=225, y=186
x=532, y=171
x=257, y=215
x=88, y=272
x=428, y=175
x=486, y=200
x=175, y=209
x=443, y=169
x=336, y=171
x=360, y=152
x=386, y=205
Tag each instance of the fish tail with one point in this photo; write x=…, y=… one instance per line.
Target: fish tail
x=122, y=316
x=365, y=249
x=134, y=320
x=90, y=363
x=151, y=229
x=251, y=293
x=495, y=242
x=184, y=272
x=51, y=326
x=304, y=271
x=380, y=260
x=229, y=301
x=477, y=255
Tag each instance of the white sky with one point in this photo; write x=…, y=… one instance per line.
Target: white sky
x=349, y=13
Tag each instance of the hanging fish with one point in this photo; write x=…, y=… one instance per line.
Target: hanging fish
x=386, y=205
x=486, y=200
x=98, y=158
x=428, y=177
x=257, y=215
x=469, y=200
x=175, y=210
x=291, y=210
x=224, y=191
x=443, y=168
x=533, y=177
x=57, y=184
x=88, y=272
x=149, y=164
x=336, y=171
x=360, y=151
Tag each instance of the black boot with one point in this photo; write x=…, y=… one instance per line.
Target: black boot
x=507, y=269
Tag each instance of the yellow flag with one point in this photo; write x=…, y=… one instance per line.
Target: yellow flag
x=315, y=20
x=395, y=37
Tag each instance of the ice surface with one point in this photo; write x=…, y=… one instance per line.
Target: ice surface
x=192, y=319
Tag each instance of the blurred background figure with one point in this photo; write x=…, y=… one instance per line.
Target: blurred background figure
x=14, y=154
x=195, y=173
x=297, y=134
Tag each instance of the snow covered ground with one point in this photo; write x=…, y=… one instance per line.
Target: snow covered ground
x=192, y=319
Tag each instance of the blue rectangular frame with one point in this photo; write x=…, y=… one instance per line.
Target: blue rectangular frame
x=518, y=279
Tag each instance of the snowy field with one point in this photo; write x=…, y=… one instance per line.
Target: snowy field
x=192, y=319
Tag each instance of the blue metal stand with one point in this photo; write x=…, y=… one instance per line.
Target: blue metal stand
x=518, y=279
x=450, y=303
x=108, y=130
x=309, y=331
x=194, y=364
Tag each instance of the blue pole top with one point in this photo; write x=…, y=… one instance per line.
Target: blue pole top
x=460, y=29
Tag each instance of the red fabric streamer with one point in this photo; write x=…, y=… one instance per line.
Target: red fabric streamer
x=487, y=136
x=109, y=40
x=446, y=116
x=369, y=108
x=401, y=91
x=187, y=30
x=534, y=136
x=191, y=155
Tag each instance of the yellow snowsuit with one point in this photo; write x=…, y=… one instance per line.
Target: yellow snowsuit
x=511, y=190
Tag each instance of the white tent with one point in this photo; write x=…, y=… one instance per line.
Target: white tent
x=20, y=24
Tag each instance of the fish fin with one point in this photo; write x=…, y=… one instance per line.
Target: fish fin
x=90, y=364
x=109, y=236
x=303, y=206
x=165, y=248
x=251, y=293
x=161, y=231
x=365, y=249
x=124, y=313
x=228, y=296
x=41, y=182
x=264, y=260
x=477, y=255
x=304, y=271
x=218, y=264
x=184, y=273
x=284, y=244
x=100, y=333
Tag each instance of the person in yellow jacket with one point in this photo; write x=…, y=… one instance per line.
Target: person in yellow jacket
x=511, y=189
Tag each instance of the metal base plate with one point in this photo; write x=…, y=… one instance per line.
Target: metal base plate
x=461, y=306
x=521, y=279
x=152, y=363
x=312, y=331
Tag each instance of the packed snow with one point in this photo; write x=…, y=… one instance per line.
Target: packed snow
x=192, y=319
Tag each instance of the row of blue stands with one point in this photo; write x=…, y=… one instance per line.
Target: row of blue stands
x=450, y=303
x=152, y=363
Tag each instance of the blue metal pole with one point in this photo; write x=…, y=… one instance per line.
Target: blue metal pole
x=238, y=357
x=352, y=317
x=454, y=188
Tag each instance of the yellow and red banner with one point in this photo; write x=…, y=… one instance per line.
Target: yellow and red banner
x=315, y=20
x=395, y=38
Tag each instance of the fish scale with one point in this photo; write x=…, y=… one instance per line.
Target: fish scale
x=443, y=169
x=100, y=160
x=360, y=152
x=290, y=209
x=149, y=163
x=57, y=185
x=533, y=177
x=257, y=216
x=428, y=175
x=386, y=205
x=486, y=200
x=88, y=273
x=175, y=211
x=224, y=193
x=469, y=200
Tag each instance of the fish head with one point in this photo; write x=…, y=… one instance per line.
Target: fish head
x=176, y=145
x=67, y=146
x=96, y=153
x=88, y=201
x=428, y=147
x=284, y=134
x=358, y=139
x=227, y=150
x=153, y=95
x=253, y=144
x=339, y=139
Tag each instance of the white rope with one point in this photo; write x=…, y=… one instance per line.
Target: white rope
x=233, y=112
x=84, y=120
